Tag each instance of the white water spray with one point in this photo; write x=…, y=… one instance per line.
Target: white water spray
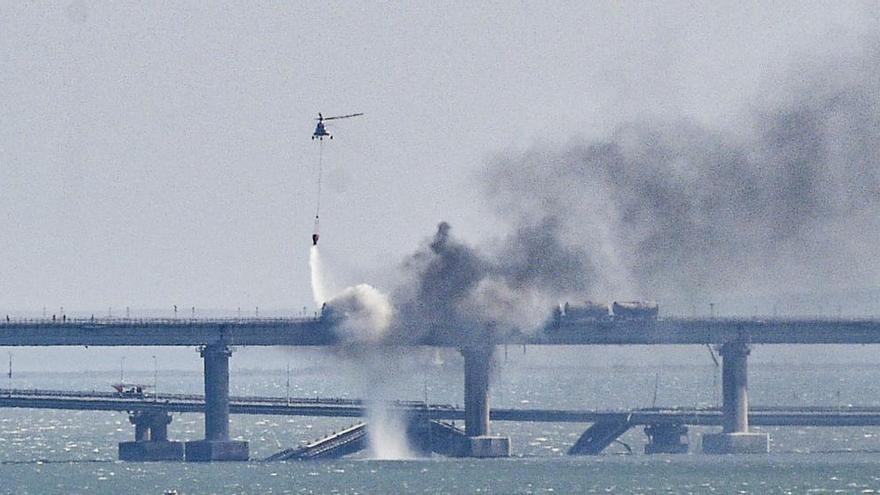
x=361, y=316
x=319, y=291
x=386, y=431
x=382, y=370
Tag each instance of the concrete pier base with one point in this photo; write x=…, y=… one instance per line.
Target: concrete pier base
x=666, y=439
x=217, y=450
x=487, y=446
x=150, y=439
x=147, y=451
x=736, y=443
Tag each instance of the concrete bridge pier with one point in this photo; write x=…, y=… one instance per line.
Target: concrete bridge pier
x=735, y=437
x=666, y=439
x=150, y=439
x=159, y=427
x=480, y=442
x=216, y=446
x=141, y=428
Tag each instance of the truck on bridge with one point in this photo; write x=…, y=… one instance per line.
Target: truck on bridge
x=589, y=311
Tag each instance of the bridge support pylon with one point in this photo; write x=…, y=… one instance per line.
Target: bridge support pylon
x=480, y=441
x=216, y=446
x=735, y=437
x=150, y=439
x=666, y=439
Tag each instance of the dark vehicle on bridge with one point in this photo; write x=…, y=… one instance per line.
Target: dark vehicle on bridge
x=587, y=310
x=130, y=390
x=635, y=310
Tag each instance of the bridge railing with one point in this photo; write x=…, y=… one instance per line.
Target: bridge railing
x=100, y=322
x=240, y=399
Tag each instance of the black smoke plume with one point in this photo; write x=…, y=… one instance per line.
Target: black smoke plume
x=672, y=211
x=677, y=212
x=458, y=291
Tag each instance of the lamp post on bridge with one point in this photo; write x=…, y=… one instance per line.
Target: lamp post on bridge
x=155, y=378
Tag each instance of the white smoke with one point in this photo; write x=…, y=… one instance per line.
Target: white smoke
x=507, y=309
x=360, y=314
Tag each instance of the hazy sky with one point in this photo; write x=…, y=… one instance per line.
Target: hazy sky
x=157, y=154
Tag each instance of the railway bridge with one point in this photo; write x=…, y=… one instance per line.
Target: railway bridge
x=733, y=337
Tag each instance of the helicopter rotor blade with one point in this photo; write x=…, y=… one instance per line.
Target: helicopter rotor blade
x=343, y=116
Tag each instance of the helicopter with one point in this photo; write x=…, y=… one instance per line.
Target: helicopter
x=321, y=131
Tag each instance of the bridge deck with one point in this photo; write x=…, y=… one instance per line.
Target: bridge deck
x=759, y=416
x=313, y=332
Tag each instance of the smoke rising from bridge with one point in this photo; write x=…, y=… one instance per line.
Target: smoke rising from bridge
x=672, y=211
x=677, y=211
x=453, y=287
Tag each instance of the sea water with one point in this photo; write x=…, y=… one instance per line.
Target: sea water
x=44, y=451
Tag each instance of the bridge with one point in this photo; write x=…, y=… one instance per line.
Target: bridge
x=356, y=408
x=314, y=332
x=665, y=427
x=733, y=337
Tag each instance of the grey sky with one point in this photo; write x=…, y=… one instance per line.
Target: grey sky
x=153, y=155
x=156, y=154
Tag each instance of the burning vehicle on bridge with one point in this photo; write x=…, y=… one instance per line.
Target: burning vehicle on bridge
x=589, y=311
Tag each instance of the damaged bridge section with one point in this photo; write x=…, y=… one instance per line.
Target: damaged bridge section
x=601, y=434
x=348, y=441
x=424, y=436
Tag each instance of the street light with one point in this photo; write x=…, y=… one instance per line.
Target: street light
x=122, y=369
x=155, y=378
